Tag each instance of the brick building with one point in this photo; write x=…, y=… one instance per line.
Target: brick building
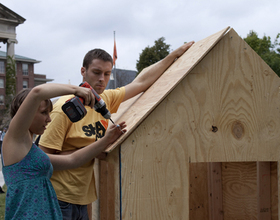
x=25, y=76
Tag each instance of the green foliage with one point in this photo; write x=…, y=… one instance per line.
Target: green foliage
x=10, y=81
x=2, y=202
x=268, y=51
x=151, y=55
x=10, y=91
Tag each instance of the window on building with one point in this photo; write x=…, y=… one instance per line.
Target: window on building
x=25, y=69
x=1, y=99
x=25, y=84
x=1, y=83
x=2, y=67
x=112, y=76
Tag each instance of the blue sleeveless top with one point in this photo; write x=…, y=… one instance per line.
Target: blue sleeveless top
x=30, y=194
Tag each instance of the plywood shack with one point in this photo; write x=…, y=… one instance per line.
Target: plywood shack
x=202, y=141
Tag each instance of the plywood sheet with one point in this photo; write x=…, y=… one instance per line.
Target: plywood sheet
x=198, y=194
x=264, y=184
x=155, y=167
x=249, y=190
x=274, y=190
x=162, y=87
x=232, y=104
x=239, y=190
x=109, y=187
x=225, y=110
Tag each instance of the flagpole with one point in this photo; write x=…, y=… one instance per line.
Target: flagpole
x=115, y=72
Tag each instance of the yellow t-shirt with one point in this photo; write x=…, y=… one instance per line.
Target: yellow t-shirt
x=77, y=186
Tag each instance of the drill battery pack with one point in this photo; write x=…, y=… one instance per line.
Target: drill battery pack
x=74, y=109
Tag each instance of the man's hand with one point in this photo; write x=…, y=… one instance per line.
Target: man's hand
x=143, y=81
x=179, y=51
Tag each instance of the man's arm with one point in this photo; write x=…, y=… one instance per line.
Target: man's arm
x=145, y=80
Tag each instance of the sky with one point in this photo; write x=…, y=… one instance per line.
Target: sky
x=60, y=32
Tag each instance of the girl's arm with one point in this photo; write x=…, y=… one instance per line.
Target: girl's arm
x=21, y=122
x=86, y=154
x=18, y=139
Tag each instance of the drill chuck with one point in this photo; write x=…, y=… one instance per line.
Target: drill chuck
x=100, y=107
x=103, y=111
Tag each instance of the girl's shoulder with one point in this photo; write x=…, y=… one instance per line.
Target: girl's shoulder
x=14, y=150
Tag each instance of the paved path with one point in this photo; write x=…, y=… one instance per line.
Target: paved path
x=1, y=175
x=2, y=182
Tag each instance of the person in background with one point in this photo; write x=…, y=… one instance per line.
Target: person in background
x=1, y=139
x=75, y=188
x=26, y=168
x=3, y=133
x=1, y=190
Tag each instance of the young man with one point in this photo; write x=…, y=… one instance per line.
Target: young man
x=75, y=188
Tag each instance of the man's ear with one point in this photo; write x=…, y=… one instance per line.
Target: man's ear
x=83, y=71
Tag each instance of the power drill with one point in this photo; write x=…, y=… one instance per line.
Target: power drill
x=75, y=110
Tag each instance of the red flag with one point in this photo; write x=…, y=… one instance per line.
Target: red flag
x=115, y=53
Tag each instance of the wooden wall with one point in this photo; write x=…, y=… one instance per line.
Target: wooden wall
x=235, y=187
x=225, y=110
x=233, y=105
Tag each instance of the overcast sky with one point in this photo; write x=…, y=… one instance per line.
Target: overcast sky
x=59, y=32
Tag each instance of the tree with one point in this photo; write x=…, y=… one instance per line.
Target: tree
x=269, y=52
x=10, y=80
x=10, y=89
x=151, y=55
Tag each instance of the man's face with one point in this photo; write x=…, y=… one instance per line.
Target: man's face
x=97, y=74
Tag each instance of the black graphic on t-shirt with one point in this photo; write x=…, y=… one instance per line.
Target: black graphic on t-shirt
x=97, y=130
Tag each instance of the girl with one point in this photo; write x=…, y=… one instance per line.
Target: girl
x=27, y=168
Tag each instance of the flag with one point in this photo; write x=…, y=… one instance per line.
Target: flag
x=115, y=53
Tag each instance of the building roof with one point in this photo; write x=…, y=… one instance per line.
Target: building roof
x=123, y=77
x=3, y=55
x=9, y=16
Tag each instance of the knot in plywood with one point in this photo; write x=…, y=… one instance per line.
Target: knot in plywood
x=214, y=129
x=237, y=130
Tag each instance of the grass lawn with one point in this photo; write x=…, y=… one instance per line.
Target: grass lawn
x=2, y=203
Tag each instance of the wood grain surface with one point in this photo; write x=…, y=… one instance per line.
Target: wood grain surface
x=219, y=102
x=164, y=85
x=232, y=101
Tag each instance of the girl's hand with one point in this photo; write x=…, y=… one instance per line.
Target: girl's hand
x=87, y=95
x=113, y=133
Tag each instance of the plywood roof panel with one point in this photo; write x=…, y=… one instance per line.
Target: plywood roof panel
x=135, y=110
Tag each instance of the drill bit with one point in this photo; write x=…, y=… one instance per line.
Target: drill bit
x=117, y=125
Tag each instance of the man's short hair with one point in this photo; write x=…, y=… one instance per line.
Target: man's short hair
x=96, y=54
